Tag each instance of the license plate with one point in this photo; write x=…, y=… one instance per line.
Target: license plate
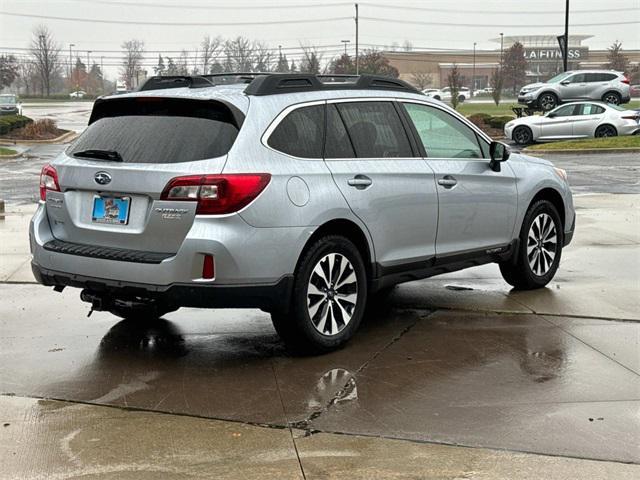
x=111, y=210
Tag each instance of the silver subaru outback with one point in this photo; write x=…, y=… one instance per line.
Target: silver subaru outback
x=302, y=195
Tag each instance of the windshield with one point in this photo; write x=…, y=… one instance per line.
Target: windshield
x=8, y=99
x=159, y=131
x=558, y=78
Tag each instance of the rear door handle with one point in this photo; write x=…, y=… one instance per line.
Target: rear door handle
x=447, y=181
x=360, y=182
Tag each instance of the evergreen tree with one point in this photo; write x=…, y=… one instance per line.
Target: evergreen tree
x=616, y=59
x=159, y=69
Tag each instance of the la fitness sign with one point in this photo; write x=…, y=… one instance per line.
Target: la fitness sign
x=547, y=54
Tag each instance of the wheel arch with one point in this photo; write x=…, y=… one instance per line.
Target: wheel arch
x=350, y=230
x=552, y=195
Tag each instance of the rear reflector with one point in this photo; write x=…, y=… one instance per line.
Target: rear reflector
x=208, y=268
x=217, y=194
x=48, y=181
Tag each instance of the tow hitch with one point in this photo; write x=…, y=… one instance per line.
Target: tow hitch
x=105, y=302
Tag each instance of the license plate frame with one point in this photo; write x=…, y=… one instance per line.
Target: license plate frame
x=107, y=209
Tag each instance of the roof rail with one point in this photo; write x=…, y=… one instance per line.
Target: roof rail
x=175, y=81
x=275, y=83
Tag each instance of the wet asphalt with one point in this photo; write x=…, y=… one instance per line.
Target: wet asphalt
x=459, y=360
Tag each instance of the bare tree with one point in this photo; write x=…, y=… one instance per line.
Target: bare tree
x=211, y=48
x=407, y=46
x=263, y=57
x=497, y=79
x=28, y=75
x=421, y=79
x=46, y=54
x=8, y=70
x=616, y=60
x=183, y=63
x=131, y=61
x=239, y=54
x=311, y=60
x=454, y=84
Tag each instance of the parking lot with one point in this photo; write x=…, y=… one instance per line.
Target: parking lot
x=452, y=377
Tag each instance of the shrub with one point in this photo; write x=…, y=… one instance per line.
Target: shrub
x=499, y=121
x=479, y=119
x=12, y=122
x=40, y=128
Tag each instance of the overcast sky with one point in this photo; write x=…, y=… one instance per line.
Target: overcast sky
x=426, y=24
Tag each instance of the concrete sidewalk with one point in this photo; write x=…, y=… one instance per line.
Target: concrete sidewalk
x=48, y=439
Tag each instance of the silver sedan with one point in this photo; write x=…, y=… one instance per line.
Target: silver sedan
x=574, y=120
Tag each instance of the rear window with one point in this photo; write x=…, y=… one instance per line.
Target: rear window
x=301, y=133
x=154, y=130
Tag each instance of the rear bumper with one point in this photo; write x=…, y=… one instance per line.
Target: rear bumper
x=274, y=296
x=245, y=256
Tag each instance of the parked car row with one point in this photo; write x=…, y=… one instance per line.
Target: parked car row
x=574, y=120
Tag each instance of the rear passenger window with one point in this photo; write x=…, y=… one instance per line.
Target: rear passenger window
x=338, y=144
x=375, y=130
x=301, y=133
x=591, y=109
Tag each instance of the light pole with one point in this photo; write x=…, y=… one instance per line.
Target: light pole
x=70, y=64
x=357, y=53
x=473, y=72
x=345, y=45
x=87, y=69
x=565, y=60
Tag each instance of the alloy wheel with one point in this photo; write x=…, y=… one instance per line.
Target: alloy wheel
x=522, y=136
x=606, y=131
x=332, y=294
x=542, y=244
x=547, y=102
x=612, y=98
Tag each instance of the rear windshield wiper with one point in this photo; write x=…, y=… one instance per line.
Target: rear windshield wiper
x=111, y=155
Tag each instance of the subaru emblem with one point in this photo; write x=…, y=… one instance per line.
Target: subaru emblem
x=102, y=178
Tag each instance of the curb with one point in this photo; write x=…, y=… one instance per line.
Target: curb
x=592, y=150
x=11, y=157
x=61, y=138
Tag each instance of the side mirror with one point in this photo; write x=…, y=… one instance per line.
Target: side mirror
x=565, y=82
x=499, y=152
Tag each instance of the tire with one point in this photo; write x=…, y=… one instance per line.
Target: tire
x=536, y=260
x=547, y=101
x=437, y=97
x=522, y=135
x=461, y=98
x=612, y=97
x=606, y=131
x=324, y=316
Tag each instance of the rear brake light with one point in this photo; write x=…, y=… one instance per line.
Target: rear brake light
x=217, y=194
x=631, y=117
x=48, y=181
x=625, y=80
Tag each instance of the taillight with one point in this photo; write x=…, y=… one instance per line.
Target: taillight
x=625, y=80
x=631, y=117
x=48, y=181
x=217, y=194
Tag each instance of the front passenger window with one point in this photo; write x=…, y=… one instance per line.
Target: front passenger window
x=443, y=135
